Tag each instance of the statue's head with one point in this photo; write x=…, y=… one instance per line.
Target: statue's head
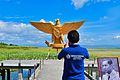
x=57, y=22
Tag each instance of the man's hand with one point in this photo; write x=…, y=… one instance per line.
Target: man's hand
x=66, y=45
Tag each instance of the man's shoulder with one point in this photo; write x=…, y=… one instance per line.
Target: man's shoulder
x=65, y=49
x=83, y=48
x=79, y=47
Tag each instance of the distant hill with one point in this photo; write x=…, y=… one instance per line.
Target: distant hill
x=14, y=46
x=2, y=44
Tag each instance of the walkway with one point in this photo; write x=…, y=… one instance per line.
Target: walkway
x=52, y=70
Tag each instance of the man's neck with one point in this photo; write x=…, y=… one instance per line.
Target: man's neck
x=73, y=43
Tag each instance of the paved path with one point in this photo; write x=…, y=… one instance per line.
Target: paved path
x=52, y=70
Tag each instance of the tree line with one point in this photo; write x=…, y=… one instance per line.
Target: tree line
x=5, y=44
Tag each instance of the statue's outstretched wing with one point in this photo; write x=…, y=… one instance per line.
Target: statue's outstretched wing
x=67, y=27
x=45, y=27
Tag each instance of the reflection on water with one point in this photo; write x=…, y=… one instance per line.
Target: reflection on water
x=14, y=75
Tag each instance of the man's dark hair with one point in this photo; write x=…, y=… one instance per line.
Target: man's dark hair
x=110, y=62
x=73, y=36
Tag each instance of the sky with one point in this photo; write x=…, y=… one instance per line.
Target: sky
x=101, y=27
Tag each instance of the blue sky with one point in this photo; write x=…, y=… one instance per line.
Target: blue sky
x=101, y=27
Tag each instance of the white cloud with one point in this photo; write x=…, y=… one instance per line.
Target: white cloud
x=1, y=34
x=79, y=3
x=105, y=17
x=12, y=26
x=2, y=24
x=21, y=34
x=97, y=1
x=117, y=37
x=42, y=20
x=51, y=22
x=17, y=17
x=32, y=42
x=105, y=0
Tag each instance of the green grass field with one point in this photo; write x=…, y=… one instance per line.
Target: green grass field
x=16, y=52
x=104, y=52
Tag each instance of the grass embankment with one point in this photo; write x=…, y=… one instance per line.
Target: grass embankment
x=104, y=52
x=16, y=52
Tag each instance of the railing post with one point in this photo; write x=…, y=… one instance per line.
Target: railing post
x=8, y=74
x=29, y=74
x=20, y=72
x=92, y=69
x=40, y=64
x=34, y=72
x=88, y=68
x=43, y=61
x=3, y=73
x=94, y=59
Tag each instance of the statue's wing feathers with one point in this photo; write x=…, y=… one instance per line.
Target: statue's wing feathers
x=45, y=27
x=67, y=27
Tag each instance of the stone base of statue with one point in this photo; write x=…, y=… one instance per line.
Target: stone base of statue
x=57, y=46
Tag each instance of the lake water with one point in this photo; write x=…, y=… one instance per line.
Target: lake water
x=14, y=75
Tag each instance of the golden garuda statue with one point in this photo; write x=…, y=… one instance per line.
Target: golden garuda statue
x=57, y=30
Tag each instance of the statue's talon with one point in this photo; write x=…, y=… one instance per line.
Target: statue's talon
x=48, y=44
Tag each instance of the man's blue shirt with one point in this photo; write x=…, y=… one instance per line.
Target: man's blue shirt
x=73, y=62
